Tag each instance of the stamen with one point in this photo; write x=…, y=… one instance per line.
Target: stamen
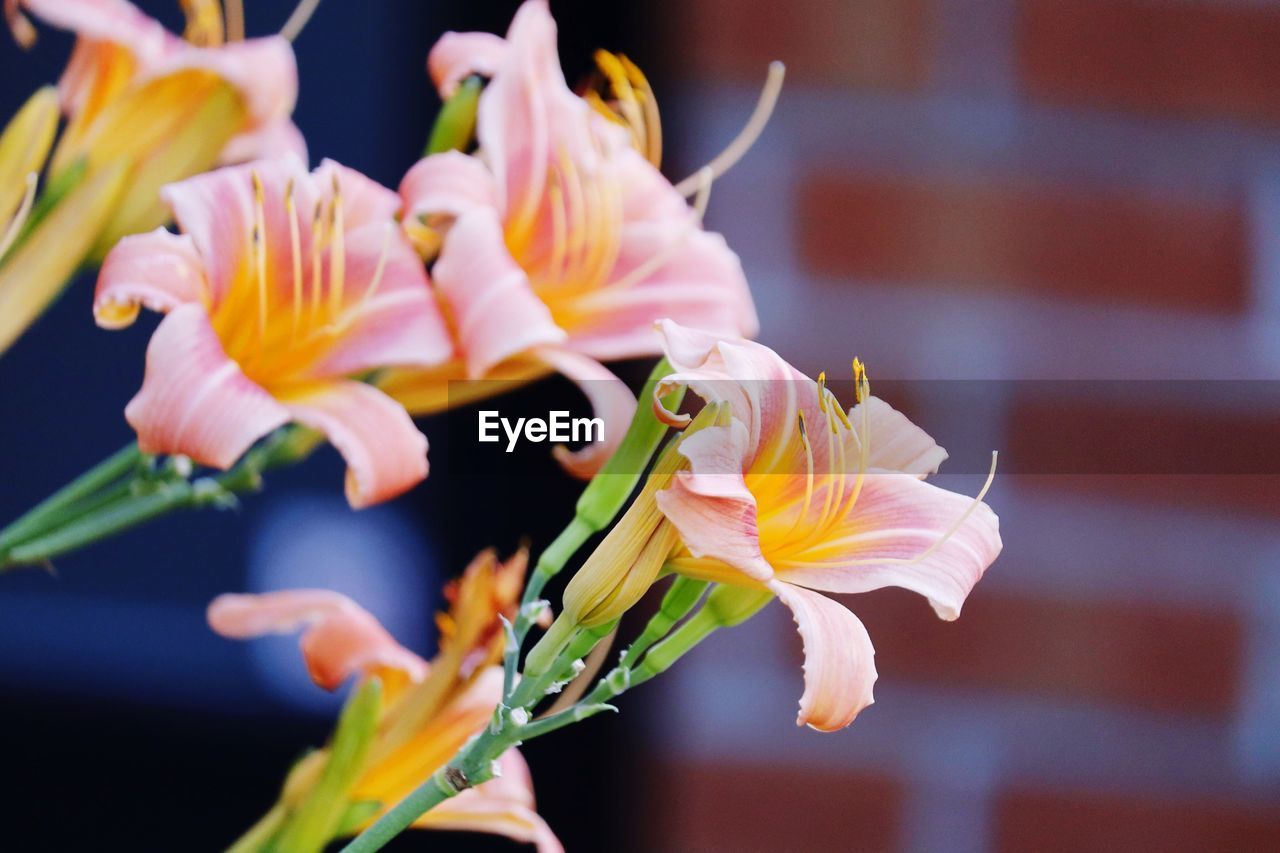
x=19, y=216
x=648, y=102
x=352, y=313
x=559, y=240
x=726, y=159
x=938, y=543
x=862, y=385
x=23, y=32
x=380, y=268
x=337, y=251
x=654, y=263
x=204, y=22
x=298, y=19
x=808, y=482
x=234, y=13
x=317, y=241
x=605, y=220
x=579, y=221
x=295, y=254
x=616, y=74
x=260, y=252
x=822, y=391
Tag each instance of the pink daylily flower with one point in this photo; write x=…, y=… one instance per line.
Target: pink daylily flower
x=341, y=640
x=795, y=496
x=282, y=286
x=119, y=48
x=562, y=244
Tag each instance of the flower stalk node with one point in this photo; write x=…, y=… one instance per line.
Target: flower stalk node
x=456, y=779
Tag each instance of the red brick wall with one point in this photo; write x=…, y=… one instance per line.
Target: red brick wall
x=1201, y=60
x=1101, y=178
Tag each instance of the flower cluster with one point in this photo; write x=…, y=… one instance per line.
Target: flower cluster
x=537, y=236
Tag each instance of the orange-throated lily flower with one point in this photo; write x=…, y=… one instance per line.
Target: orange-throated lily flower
x=787, y=494
x=428, y=711
x=144, y=108
x=281, y=289
x=562, y=243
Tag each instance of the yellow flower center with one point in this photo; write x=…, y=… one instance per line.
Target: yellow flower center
x=276, y=329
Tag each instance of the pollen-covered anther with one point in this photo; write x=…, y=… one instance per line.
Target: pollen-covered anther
x=204, y=26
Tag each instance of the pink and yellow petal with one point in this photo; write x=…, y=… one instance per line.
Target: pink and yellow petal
x=497, y=314
x=700, y=284
x=386, y=455
x=839, y=660
x=339, y=637
x=448, y=184
x=194, y=399
x=710, y=505
x=457, y=56
x=907, y=533
x=158, y=270
x=895, y=443
x=390, y=316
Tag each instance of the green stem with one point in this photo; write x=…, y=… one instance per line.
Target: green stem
x=36, y=520
x=681, y=598
x=471, y=766
x=599, y=503
x=121, y=493
x=112, y=519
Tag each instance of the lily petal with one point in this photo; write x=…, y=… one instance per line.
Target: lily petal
x=524, y=108
x=385, y=453
x=764, y=392
x=392, y=319
x=496, y=311
x=340, y=638
x=839, y=660
x=194, y=399
x=711, y=506
x=159, y=270
x=700, y=284
x=451, y=183
x=896, y=444
x=217, y=210
x=611, y=400
x=908, y=533
x=364, y=200
x=457, y=56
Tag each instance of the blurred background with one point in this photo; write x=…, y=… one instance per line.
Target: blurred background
x=1050, y=227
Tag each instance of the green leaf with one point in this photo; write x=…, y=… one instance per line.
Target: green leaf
x=321, y=814
x=456, y=123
